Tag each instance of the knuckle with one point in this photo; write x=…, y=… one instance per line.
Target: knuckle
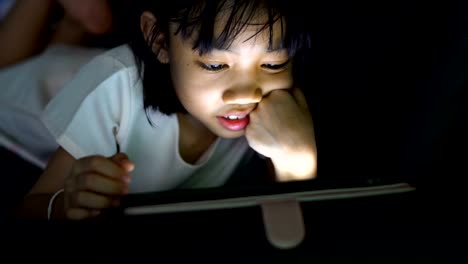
x=88, y=180
x=277, y=92
x=77, y=214
x=80, y=199
x=254, y=114
x=76, y=167
x=93, y=201
x=122, y=156
x=103, y=202
x=119, y=188
x=94, y=161
x=108, y=203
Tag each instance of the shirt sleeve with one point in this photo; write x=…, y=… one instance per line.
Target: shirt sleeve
x=85, y=113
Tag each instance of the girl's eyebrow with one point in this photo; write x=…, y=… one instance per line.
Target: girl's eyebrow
x=275, y=50
x=269, y=50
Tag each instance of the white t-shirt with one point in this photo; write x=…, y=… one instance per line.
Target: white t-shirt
x=26, y=88
x=107, y=95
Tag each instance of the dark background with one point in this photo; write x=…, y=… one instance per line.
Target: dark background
x=390, y=88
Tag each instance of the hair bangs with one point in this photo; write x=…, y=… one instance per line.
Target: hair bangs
x=198, y=24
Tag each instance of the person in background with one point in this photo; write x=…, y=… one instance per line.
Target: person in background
x=44, y=43
x=49, y=21
x=39, y=54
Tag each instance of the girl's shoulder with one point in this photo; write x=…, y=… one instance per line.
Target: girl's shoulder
x=116, y=64
x=109, y=81
x=118, y=58
x=120, y=54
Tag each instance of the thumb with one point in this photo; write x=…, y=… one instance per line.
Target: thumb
x=123, y=160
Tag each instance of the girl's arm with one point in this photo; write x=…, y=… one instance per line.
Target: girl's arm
x=36, y=202
x=21, y=32
x=90, y=184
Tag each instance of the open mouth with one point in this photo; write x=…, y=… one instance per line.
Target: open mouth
x=233, y=117
x=234, y=122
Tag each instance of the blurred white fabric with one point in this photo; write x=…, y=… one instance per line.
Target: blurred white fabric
x=26, y=88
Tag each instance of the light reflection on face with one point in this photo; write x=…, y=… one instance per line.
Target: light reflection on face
x=228, y=82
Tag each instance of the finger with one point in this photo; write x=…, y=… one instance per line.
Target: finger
x=103, y=166
x=298, y=95
x=123, y=160
x=92, y=200
x=278, y=93
x=81, y=213
x=102, y=184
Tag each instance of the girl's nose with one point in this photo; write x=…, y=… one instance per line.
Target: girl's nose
x=242, y=95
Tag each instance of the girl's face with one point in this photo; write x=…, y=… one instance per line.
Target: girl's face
x=221, y=88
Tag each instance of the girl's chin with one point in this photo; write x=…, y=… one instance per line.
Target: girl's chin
x=224, y=133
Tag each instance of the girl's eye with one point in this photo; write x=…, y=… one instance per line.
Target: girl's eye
x=275, y=67
x=212, y=67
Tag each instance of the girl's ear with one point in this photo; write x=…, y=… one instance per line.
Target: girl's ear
x=159, y=46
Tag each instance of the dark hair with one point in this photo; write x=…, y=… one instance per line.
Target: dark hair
x=198, y=16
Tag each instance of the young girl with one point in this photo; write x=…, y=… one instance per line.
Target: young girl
x=201, y=87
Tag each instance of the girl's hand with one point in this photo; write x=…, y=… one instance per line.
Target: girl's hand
x=281, y=128
x=95, y=183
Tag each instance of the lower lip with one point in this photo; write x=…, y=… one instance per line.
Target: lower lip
x=234, y=125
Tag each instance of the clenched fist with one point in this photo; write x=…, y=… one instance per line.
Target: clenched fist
x=281, y=128
x=96, y=183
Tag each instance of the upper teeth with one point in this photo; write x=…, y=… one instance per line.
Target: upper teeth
x=234, y=117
